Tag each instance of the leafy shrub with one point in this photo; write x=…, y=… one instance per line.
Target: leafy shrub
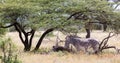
x=8, y=52
x=2, y=32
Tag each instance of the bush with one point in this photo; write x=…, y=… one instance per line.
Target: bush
x=7, y=50
x=2, y=32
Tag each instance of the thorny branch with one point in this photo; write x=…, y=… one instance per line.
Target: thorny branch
x=103, y=45
x=7, y=26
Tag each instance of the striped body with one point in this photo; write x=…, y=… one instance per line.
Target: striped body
x=82, y=44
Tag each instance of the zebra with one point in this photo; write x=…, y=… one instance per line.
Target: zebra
x=82, y=44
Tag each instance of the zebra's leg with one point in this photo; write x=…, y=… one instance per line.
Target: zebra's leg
x=78, y=48
x=87, y=49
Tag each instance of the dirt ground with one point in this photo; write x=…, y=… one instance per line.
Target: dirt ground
x=109, y=56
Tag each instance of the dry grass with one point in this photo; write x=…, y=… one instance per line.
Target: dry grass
x=70, y=58
x=109, y=56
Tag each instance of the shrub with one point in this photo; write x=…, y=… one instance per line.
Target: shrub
x=8, y=52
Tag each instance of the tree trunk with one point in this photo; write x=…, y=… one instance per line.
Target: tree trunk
x=26, y=48
x=104, y=27
x=88, y=33
x=42, y=37
x=30, y=40
x=27, y=42
x=25, y=39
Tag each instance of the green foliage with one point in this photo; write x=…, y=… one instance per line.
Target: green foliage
x=46, y=14
x=94, y=11
x=12, y=11
x=50, y=34
x=8, y=52
x=115, y=22
x=12, y=29
x=2, y=32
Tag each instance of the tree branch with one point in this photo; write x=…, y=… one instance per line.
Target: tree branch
x=73, y=15
x=105, y=41
x=21, y=28
x=42, y=37
x=30, y=42
x=30, y=32
x=109, y=47
x=20, y=34
x=7, y=26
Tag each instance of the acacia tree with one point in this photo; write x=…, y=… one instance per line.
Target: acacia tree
x=84, y=12
x=96, y=11
x=20, y=16
x=28, y=16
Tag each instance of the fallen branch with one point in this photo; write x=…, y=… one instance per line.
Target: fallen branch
x=103, y=45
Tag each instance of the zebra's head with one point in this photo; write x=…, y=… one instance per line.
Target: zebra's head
x=70, y=39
